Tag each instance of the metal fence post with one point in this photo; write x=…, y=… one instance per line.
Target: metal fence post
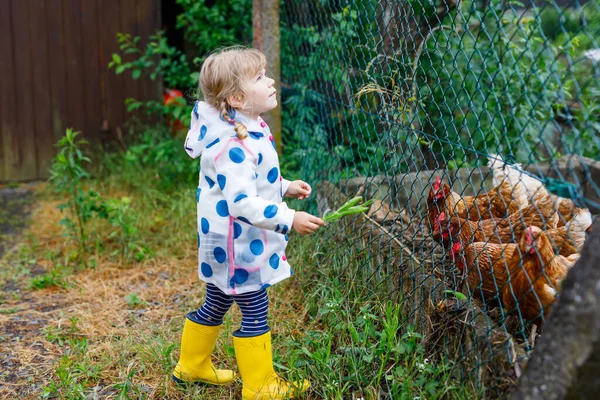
x=265, y=26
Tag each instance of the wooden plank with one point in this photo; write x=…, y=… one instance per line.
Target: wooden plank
x=112, y=89
x=145, y=22
x=7, y=95
x=22, y=139
x=128, y=25
x=157, y=90
x=91, y=66
x=75, y=75
x=57, y=72
x=41, y=87
x=103, y=67
x=149, y=20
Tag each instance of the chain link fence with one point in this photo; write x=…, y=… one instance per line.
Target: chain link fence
x=475, y=127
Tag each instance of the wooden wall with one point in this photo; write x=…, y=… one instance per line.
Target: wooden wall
x=54, y=75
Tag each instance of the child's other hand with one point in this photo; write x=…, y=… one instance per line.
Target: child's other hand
x=304, y=223
x=299, y=190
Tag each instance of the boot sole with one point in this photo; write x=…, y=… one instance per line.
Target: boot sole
x=181, y=382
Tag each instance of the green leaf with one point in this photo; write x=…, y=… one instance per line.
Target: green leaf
x=458, y=295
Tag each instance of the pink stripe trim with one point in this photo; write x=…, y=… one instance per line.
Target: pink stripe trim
x=234, y=139
x=230, y=251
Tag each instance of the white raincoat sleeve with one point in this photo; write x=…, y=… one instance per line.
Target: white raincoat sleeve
x=193, y=142
x=235, y=166
x=285, y=184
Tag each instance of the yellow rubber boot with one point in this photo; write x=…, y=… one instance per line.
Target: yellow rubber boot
x=255, y=362
x=195, y=365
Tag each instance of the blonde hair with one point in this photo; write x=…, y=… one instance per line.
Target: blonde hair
x=224, y=73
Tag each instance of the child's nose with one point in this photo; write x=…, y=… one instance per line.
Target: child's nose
x=271, y=82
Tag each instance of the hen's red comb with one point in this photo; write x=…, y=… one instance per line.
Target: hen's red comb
x=529, y=234
x=442, y=216
x=437, y=184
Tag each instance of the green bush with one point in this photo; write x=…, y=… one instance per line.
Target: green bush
x=68, y=176
x=153, y=160
x=565, y=25
x=83, y=204
x=486, y=81
x=205, y=28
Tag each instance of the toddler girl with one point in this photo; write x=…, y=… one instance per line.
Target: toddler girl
x=243, y=224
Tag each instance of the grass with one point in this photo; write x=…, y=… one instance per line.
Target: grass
x=113, y=330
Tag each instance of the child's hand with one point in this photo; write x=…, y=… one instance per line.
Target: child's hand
x=304, y=223
x=299, y=190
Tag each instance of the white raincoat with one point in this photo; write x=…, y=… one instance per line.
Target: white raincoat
x=242, y=221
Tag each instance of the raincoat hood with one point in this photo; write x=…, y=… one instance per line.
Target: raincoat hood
x=208, y=127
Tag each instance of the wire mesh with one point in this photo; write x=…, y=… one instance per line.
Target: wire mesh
x=475, y=126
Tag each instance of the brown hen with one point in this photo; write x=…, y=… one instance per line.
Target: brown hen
x=496, y=203
x=485, y=266
x=500, y=231
x=569, y=239
x=535, y=280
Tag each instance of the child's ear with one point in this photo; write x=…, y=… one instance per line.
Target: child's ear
x=235, y=101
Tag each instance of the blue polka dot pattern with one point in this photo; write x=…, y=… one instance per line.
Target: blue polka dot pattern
x=221, y=180
x=219, y=254
x=222, y=208
x=264, y=286
x=206, y=270
x=196, y=111
x=273, y=143
x=273, y=175
x=198, y=195
x=210, y=182
x=260, y=158
x=255, y=175
x=247, y=256
x=284, y=230
x=274, y=261
x=211, y=144
x=205, y=225
x=237, y=155
x=202, y=132
x=270, y=211
x=237, y=230
x=240, y=276
x=244, y=220
x=254, y=233
x=198, y=239
x=257, y=247
x=291, y=271
x=239, y=197
x=286, y=238
x=255, y=135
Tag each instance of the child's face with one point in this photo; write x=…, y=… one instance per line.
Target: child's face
x=260, y=95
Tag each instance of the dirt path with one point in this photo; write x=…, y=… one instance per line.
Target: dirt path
x=23, y=316
x=14, y=209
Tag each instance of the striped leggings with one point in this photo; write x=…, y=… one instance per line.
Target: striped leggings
x=254, y=307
